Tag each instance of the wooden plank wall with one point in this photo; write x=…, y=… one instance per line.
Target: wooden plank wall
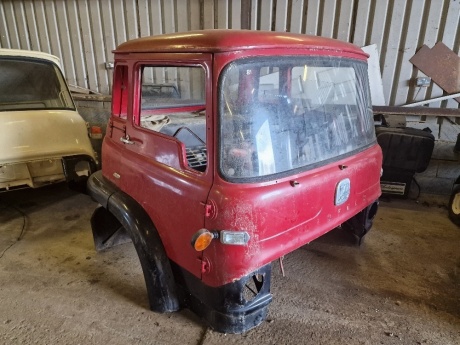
x=84, y=32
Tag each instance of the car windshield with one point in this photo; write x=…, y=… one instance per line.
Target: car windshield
x=27, y=84
x=280, y=116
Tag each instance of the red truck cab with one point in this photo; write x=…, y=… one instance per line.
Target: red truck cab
x=225, y=151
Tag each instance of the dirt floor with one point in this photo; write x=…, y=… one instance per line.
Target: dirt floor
x=402, y=286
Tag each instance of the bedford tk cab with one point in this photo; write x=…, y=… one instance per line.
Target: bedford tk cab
x=43, y=139
x=227, y=150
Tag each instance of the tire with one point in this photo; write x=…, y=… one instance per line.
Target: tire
x=454, y=205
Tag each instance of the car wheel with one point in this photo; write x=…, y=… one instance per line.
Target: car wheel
x=454, y=205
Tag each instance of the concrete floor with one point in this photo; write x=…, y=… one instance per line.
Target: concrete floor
x=402, y=286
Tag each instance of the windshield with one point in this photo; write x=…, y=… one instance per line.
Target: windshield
x=27, y=84
x=280, y=115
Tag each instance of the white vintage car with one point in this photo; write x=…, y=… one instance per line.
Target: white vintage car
x=43, y=139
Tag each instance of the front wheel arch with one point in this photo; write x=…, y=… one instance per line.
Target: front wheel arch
x=120, y=214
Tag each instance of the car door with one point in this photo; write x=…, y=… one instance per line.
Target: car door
x=165, y=162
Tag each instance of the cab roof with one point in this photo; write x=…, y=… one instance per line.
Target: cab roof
x=30, y=54
x=215, y=41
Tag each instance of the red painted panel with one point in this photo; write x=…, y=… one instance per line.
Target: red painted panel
x=280, y=218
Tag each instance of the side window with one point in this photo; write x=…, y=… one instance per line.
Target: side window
x=173, y=103
x=120, y=92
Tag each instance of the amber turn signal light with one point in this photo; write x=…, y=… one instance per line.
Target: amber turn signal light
x=202, y=239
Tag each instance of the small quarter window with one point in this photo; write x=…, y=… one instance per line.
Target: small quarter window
x=120, y=92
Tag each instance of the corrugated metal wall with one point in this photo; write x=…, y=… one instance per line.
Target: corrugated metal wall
x=84, y=32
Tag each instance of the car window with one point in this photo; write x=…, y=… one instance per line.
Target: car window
x=120, y=92
x=32, y=84
x=173, y=103
x=279, y=116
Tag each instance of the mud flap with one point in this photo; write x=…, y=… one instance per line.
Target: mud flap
x=107, y=230
x=231, y=308
x=360, y=224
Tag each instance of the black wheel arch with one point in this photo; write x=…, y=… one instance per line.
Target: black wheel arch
x=121, y=216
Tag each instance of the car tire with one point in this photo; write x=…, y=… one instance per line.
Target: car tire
x=454, y=205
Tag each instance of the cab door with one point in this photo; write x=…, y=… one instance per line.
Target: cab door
x=167, y=165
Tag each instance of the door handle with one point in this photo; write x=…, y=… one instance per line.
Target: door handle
x=126, y=140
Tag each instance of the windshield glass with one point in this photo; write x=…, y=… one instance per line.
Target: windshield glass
x=27, y=84
x=292, y=113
